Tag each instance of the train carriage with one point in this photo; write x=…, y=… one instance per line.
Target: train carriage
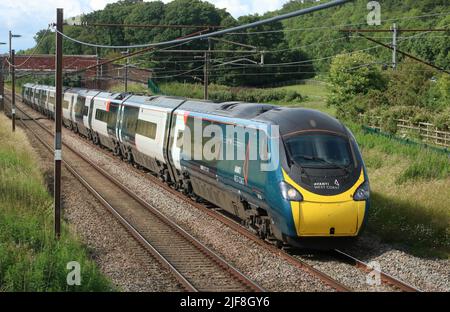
x=37, y=98
x=27, y=93
x=143, y=130
x=50, y=101
x=34, y=97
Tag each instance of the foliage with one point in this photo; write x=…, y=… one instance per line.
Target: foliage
x=304, y=41
x=320, y=33
x=221, y=93
x=352, y=76
x=409, y=84
x=410, y=194
x=413, y=92
x=184, y=12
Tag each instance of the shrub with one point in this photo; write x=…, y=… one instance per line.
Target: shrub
x=442, y=120
x=353, y=75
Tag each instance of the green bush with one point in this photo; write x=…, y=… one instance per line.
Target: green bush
x=219, y=93
x=442, y=120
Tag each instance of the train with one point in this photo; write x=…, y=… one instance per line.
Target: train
x=293, y=176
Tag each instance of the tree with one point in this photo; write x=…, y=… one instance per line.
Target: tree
x=144, y=13
x=353, y=75
x=409, y=85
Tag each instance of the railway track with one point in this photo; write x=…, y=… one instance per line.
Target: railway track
x=194, y=265
x=387, y=279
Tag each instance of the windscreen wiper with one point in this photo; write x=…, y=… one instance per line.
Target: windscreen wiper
x=315, y=158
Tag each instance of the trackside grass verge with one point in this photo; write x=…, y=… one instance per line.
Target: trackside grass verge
x=30, y=258
x=410, y=194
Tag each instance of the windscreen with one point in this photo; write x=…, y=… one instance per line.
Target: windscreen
x=319, y=151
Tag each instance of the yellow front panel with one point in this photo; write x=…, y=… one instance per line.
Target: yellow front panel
x=316, y=219
x=317, y=214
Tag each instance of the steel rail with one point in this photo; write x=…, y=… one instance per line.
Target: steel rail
x=385, y=277
x=128, y=227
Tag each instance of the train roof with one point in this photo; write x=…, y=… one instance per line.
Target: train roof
x=165, y=102
x=227, y=109
x=296, y=120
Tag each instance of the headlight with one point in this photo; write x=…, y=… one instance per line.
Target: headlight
x=363, y=192
x=290, y=193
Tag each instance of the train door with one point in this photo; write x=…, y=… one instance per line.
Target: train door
x=87, y=110
x=129, y=124
x=46, y=105
x=177, y=138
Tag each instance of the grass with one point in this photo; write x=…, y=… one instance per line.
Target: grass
x=410, y=194
x=30, y=258
x=316, y=94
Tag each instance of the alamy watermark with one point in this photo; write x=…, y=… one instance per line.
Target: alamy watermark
x=74, y=276
x=374, y=16
x=373, y=278
x=206, y=141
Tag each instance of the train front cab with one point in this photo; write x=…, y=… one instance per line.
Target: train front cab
x=322, y=208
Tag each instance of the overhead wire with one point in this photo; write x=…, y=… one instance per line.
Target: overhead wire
x=33, y=53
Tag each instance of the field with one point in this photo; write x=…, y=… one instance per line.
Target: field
x=30, y=258
x=315, y=93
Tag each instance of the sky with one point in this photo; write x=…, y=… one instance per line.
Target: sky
x=26, y=17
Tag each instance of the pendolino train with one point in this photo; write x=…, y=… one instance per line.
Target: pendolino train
x=316, y=193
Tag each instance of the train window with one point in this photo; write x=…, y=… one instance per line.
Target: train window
x=129, y=121
x=180, y=138
x=65, y=103
x=146, y=128
x=51, y=98
x=85, y=110
x=101, y=115
x=319, y=151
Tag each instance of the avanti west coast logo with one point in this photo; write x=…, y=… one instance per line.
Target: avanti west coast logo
x=324, y=185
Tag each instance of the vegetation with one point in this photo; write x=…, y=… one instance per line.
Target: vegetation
x=324, y=39
x=413, y=92
x=299, y=43
x=410, y=194
x=30, y=258
x=221, y=93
